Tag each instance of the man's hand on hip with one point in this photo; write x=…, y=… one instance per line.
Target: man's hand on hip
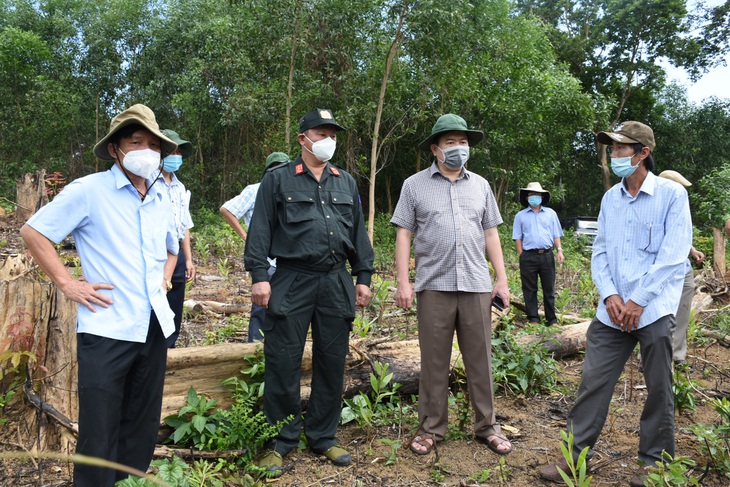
x=87, y=294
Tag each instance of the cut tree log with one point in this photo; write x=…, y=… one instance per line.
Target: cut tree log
x=571, y=340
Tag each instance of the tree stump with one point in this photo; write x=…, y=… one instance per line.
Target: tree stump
x=31, y=194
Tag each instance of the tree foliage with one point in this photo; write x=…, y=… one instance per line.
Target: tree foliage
x=538, y=77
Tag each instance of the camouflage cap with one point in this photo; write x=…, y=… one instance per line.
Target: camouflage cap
x=276, y=158
x=629, y=133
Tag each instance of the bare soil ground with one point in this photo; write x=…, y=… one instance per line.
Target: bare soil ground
x=534, y=422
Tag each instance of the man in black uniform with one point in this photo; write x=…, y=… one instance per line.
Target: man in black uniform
x=308, y=217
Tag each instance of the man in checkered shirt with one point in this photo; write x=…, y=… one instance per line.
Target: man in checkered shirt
x=453, y=215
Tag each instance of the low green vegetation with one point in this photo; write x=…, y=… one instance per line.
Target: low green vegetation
x=576, y=476
x=521, y=368
x=381, y=406
x=715, y=438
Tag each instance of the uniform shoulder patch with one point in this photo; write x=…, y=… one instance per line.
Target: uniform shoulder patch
x=299, y=169
x=334, y=170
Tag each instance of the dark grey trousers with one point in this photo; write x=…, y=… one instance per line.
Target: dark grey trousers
x=607, y=350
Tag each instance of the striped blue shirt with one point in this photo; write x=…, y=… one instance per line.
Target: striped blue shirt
x=448, y=219
x=641, y=249
x=537, y=230
x=241, y=206
x=179, y=202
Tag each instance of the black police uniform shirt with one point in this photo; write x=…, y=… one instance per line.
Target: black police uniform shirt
x=308, y=224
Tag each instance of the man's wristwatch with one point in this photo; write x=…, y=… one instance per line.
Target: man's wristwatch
x=168, y=283
x=560, y=249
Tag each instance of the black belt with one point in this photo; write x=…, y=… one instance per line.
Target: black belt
x=539, y=251
x=299, y=267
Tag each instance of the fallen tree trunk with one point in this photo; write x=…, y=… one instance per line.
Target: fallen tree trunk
x=571, y=340
x=204, y=368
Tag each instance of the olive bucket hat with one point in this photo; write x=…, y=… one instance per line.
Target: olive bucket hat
x=135, y=114
x=450, y=123
x=275, y=158
x=629, y=133
x=186, y=148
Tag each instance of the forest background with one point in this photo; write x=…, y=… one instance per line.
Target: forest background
x=539, y=77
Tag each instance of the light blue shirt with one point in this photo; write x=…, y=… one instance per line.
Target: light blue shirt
x=537, y=230
x=641, y=249
x=122, y=241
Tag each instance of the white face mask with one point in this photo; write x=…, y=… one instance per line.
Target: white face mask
x=323, y=149
x=141, y=162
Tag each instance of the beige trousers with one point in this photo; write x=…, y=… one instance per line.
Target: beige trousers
x=440, y=314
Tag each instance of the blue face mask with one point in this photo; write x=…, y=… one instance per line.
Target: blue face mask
x=534, y=200
x=172, y=163
x=621, y=166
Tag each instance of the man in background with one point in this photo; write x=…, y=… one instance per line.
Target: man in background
x=679, y=333
x=241, y=208
x=179, y=198
x=536, y=231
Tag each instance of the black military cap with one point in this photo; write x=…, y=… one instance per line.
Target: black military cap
x=317, y=117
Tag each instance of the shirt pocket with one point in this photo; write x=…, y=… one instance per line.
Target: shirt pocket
x=300, y=207
x=651, y=237
x=343, y=206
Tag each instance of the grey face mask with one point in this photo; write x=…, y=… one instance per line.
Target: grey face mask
x=456, y=156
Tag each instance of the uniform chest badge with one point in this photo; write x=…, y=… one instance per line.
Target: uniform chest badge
x=299, y=169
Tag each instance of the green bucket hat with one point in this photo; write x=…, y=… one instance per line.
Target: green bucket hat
x=186, y=148
x=276, y=158
x=135, y=114
x=450, y=123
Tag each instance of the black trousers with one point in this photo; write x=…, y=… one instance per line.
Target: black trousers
x=327, y=301
x=120, y=398
x=534, y=265
x=176, y=296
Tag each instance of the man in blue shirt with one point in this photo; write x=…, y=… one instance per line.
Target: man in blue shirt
x=124, y=235
x=638, y=266
x=536, y=231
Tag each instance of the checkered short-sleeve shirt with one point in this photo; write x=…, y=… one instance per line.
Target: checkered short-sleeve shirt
x=448, y=220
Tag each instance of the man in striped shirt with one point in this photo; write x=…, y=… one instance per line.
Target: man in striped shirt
x=453, y=215
x=638, y=266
